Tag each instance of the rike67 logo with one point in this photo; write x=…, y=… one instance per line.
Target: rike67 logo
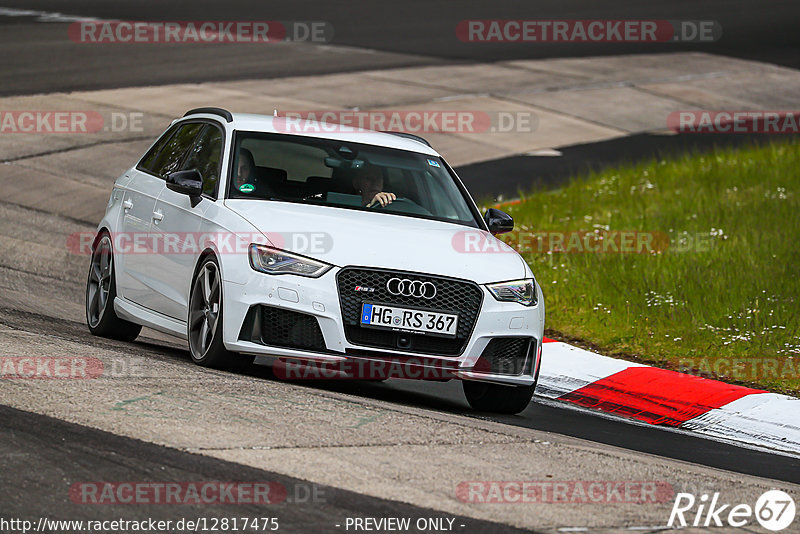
x=774, y=510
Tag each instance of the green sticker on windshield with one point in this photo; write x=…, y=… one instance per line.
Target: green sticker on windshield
x=247, y=188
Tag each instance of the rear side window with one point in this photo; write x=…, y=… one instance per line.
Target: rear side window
x=171, y=155
x=206, y=157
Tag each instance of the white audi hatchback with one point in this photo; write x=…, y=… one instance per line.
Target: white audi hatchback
x=349, y=252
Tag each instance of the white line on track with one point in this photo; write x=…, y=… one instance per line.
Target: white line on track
x=43, y=16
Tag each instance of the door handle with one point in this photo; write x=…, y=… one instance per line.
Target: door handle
x=157, y=216
x=127, y=204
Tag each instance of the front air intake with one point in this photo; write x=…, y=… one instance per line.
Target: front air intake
x=277, y=327
x=511, y=356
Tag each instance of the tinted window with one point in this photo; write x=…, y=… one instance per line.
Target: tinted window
x=327, y=172
x=206, y=157
x=147, y=161
x=170, y=157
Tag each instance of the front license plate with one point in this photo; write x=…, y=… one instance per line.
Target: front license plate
x=409, y=320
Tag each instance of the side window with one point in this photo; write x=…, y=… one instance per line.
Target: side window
x=170, y=158
x=206, y=157
x=147, y=161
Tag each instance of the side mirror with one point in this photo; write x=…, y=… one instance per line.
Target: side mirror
x=498, y=221
x=186, y=182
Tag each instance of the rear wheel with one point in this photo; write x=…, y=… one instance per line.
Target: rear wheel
x=205, y=320
x=486, y=397
x=101, y=291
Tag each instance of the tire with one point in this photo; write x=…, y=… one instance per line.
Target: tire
x=101, y=290
x=204, y=323
x=486, y=397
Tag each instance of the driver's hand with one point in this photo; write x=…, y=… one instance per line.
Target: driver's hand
x=384, y=199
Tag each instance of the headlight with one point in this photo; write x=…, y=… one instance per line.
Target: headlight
x=522, y=291
x=274, y=261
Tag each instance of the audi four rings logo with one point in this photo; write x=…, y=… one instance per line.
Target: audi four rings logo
x=411, y=288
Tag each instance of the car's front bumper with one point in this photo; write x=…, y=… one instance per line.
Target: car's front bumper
x=319, y=298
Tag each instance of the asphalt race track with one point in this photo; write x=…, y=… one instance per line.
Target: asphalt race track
x=447, y=397
x=397, y=448
x=38, y=57
x=85, y=452
x=508, y=177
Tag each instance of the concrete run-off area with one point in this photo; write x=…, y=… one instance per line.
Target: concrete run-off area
x=512, y=107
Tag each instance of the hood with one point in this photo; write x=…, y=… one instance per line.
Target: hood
x=350, y=237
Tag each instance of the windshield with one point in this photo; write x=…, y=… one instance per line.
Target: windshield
x=277, y=167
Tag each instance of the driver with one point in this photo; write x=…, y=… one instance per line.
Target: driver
x=245, y=169
x=369, y=183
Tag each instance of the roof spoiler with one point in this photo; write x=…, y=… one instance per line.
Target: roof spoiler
x=411, y=136
x=224, y=113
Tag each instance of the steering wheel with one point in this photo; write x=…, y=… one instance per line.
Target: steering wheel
x=405, y=205
x=401, y=200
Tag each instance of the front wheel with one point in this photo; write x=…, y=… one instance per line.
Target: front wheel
x=486, y=397
x=205, y=320
x=101, y=290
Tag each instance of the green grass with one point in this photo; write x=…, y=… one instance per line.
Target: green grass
x=725, y=288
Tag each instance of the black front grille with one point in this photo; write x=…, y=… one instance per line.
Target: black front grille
x=282, y=328
x=506, y=356
x=452, y=296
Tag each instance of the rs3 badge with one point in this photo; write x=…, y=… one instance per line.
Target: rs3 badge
x=365, y=289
